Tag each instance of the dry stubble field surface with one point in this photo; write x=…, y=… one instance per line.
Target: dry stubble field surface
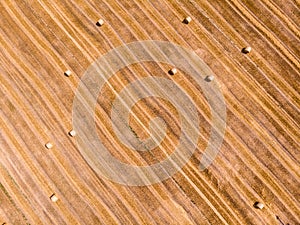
x=259, y=158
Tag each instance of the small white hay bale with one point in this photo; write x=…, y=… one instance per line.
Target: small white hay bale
x=100, y=22
x=72, y=133
x=173, y=71
x=187, y=20
x=246, y=50
x=209, y=78
x=53, y=198
x=68, y=73
x=259, y=205
x=49, y=145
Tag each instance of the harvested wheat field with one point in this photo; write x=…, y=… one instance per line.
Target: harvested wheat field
x=47, y=48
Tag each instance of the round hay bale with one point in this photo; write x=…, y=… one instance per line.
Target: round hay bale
x=187, y=20
x=246, y=50
x=72, y=133
x=68, y=73
x=100, y=22
x=53, y=198
x=209, y=78
x=259, y=205
x=173, y=71
x=49, y=145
